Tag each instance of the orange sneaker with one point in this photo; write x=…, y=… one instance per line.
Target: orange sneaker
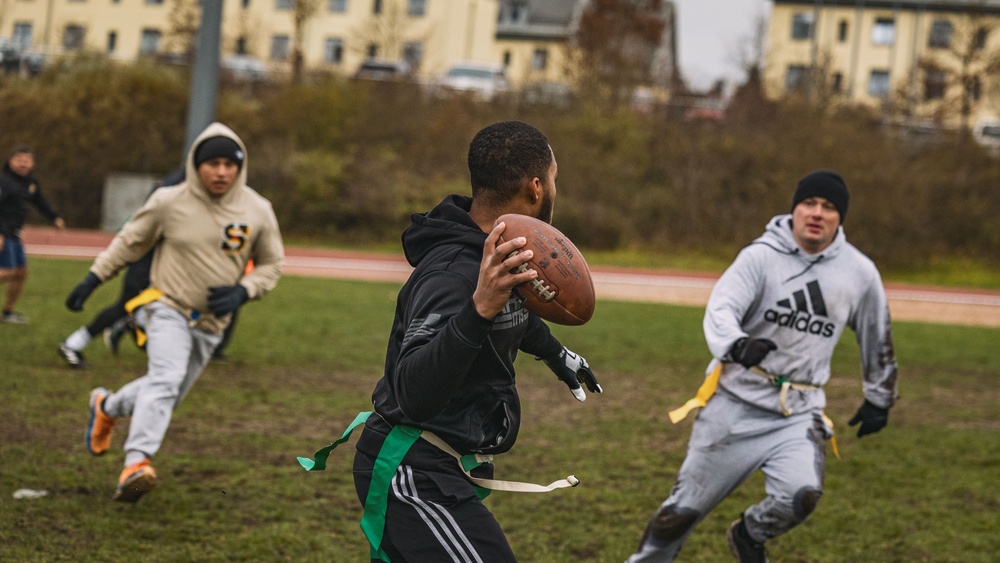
x=136, y=480
x=101, y=425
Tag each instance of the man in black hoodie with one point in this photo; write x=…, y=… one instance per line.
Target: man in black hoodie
x=18, y=189
x=449, y=369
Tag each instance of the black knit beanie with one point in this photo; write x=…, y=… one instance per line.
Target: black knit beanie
x=218, y=147
x=825, y=184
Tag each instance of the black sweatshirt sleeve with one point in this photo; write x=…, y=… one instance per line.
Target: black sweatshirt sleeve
x=444, y=334
x=539, y=341
x=43, y=206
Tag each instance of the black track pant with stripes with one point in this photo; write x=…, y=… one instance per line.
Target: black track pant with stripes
x=432, y=513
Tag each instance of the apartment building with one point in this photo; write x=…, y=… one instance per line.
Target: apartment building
x=933, y=59
x=529, y=37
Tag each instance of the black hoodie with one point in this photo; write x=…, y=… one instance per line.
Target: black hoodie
x=447, y=369
x=16, y=192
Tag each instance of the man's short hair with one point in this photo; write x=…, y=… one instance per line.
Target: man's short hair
x=504, y=155
x=23, y=149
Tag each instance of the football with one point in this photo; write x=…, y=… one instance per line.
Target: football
x=563, y=292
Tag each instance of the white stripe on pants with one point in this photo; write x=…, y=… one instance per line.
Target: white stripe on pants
x=177, y=355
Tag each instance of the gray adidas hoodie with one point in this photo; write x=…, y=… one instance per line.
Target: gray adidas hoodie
x=802, y=302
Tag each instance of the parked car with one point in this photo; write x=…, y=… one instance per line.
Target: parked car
x=987, y=133
x=485, y=80
x=14, y=59
x=243, y=68
x=377, y=69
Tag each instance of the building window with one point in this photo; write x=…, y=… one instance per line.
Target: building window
x=506, y=58
x=284, y=5
x=155, y=2
x=376, y=7
x=934, y=84
x=372, y=50
x=22, y=34
x=940, y=38
x=795, y=78
x=73, y=37
x=333, y=51
x=241, y=45
x=974, y=88
x=413, y=53
x=149, y=43
x=802, y=25
x=416, y=8
x=884, y=31
x=112, y=41
x=540, y=59
x=842, y=28
x=979, y=41
x=837, y=84
x=279, y=48
x=517, y=12
x=245, y=4
x=878, y=83
x=337, y=6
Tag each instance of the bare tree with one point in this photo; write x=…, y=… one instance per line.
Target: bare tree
x=616, y=41
x=958, y=70
x=302, y=12
x=383, y=35
x=184, y=21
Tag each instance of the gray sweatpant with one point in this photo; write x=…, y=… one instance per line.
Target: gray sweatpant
x=730, y=440
x=177, y=355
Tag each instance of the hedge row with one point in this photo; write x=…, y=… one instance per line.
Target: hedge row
x=349, y=161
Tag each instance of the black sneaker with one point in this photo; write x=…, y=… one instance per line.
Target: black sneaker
x=73, y=358
x=14, y=318
x=744, y=548
x=113, y=334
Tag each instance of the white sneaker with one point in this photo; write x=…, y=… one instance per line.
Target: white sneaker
x=15, y=318
x=73, y=358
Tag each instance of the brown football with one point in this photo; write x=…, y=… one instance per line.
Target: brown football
x=563, y=292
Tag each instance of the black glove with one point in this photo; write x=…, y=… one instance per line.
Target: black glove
x=573, y=370
x=225, y=299
x=871, y=417
x=751, y=351
x=82, y=291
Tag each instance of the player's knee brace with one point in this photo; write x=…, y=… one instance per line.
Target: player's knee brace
x=805, y=502
x=670, y=523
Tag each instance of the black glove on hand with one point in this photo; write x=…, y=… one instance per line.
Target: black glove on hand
x=751, y=351
x=871, y=417
x=574, y=370
x=225, y=299
x=82, y=291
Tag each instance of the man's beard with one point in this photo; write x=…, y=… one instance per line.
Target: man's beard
x=545, y=212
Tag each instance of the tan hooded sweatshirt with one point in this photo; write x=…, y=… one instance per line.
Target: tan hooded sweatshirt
x=202, y=241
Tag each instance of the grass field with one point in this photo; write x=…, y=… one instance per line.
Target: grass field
x=307, y=357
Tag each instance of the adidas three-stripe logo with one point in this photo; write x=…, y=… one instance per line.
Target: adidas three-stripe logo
x=798, y=312
x=815, y=296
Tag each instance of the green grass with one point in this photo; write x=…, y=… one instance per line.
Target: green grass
x=307, y=357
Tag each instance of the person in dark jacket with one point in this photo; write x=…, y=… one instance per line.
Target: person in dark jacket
x=19, y=188
x=113, y=321
x=449, y=368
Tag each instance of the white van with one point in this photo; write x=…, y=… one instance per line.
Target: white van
x=987, y=133
x=485, y=80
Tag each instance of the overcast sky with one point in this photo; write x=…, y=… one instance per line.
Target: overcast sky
x=710, y=33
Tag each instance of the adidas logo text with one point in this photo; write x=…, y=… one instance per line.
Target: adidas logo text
x=799, y=318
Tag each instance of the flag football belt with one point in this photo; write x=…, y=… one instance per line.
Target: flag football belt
x=397, y=444
x=711, y=384
x=147, y=296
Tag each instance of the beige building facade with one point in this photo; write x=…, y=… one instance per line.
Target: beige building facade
x=530, y=38
x=921, y=58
